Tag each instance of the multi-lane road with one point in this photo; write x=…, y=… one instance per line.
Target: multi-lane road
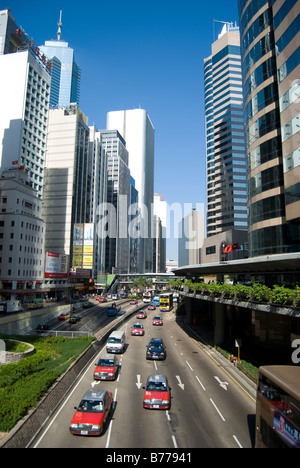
x=209, y=408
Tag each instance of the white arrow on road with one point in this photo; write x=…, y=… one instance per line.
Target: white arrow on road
x=139, y=384
x=222, y=384
x=95, y=383
x=181, y=385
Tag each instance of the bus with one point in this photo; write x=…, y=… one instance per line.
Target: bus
x=278, y=407
x=166, y=302
x=147, y=297
x=35, y=303
x=156, y=301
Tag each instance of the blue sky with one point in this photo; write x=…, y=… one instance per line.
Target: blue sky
x=146, y=54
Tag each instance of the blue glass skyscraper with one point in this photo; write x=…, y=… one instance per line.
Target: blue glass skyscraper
x=66, y=74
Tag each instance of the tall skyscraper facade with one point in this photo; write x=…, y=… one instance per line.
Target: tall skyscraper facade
x=225, y=136
x=137, y=130
x=24, y=96
x=118, y=195
x=271, y=65
x=66, y=198
x=66, y=75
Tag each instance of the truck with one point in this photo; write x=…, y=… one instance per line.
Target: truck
x=112, y=311
x=8, y=307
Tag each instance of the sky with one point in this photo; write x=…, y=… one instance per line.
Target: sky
x=142, y=54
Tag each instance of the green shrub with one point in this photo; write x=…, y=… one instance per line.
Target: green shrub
x=24, y=383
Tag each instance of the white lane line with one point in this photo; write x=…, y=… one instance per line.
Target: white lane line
x=217, y=409
x=236, y=439
x=174, y=442
x=190, y=366
x=200, y=383
x=110, y=424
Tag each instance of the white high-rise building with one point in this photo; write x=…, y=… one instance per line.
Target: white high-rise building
x=24, y=97
x=137, y=130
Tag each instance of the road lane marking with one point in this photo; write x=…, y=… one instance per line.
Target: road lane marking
x=110, y=424
x=174, y=442
x=236, y=439
x=217, y=409
x=190, y=366
x=200, y=383
x=221, y=367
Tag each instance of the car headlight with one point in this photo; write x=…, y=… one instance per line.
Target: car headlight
x=96, y=428
x=74, y=426
x=147, y=402
x=165, y=402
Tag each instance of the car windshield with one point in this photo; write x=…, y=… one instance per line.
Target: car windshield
x=114, y=340
x=156, y=386
x=137, y=325
x=91, y=406
x=106, y=362
x=157, y=318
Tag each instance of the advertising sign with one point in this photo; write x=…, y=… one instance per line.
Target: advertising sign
x=56, y=265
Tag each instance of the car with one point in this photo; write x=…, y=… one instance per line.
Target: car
x=87, y=305
x=133, y=302
x=138, y=329
x=157, y=394
x=156, y=349
x=64, y=316
x=106, y=368
x=115, y=297
x=141, y=315
x=74, y=319
x=151, y=307
x=92, y=413
x=102, y=299
x=157, y=320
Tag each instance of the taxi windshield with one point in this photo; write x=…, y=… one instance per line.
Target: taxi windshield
x=90, y=406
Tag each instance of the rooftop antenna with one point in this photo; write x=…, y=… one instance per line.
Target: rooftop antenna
x=59, y=24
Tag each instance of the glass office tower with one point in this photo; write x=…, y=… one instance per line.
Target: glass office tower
x=225, y=136
x=65, y=86
x=270, y=58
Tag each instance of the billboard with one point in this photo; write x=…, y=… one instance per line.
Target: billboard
x=83, y=249
x=56, y=265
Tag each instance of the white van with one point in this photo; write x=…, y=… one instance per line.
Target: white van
x=116, y=342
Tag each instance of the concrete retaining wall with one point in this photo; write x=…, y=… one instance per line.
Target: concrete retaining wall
x=13, y=358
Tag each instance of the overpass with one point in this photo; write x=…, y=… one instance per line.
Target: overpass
x=269, y=265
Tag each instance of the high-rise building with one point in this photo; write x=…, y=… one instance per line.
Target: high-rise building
x=66, y=198
x=66, y=74
x=118, y=196
x=137, y=130
x=98, y=197
x=24, y=96
x=271, y=65
x=159, y=234
x=225, y=135
x=191, y=238
x=12, y=36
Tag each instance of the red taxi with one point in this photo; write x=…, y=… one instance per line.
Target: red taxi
x=106, y=368
x=157, y=394
x=133, y=302
x=92, y=413
x=157, y=320
x=141, y=315
x=137, y=329
x=151, y=307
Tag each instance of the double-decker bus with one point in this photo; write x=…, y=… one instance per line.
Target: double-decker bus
x=166, y=302
x=278, y=407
